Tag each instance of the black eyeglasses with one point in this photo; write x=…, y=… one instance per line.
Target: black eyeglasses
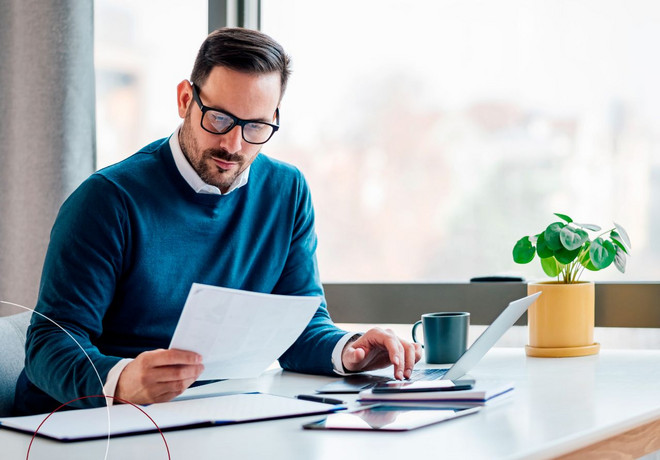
x=216, y=121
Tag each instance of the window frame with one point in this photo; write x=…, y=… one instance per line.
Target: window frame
x=234, y=13
x=617, y=304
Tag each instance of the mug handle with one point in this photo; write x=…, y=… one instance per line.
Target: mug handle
x=414, y=330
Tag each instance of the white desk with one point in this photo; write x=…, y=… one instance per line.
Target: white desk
x=560, y=406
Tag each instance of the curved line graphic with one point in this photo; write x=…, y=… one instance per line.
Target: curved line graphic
x=99, y=396
x=107, y=446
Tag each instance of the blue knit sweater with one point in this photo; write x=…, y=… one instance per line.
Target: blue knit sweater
x=126, y=247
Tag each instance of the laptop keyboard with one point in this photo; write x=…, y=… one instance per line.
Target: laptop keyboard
x=427, y=374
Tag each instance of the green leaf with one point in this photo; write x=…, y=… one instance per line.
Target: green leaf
x=542, y=249
x=592, y=227
x=551, y=235
x=550, y=266
x=572, y=238
x=620, y=260
x=565, y=256
x=523, y=251
x=624, y=235
x=589, y=265
x=616, y=239
x=564, y=216
x=585, y=259
x=602, y=253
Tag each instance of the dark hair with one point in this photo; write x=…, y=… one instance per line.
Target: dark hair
x=242, y=50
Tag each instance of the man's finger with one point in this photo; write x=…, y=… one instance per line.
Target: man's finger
x=353, y=357
x=164, y=374
x=168, y=391
x=410, y=359
x=178, y=386
x=171, y=357
x=418, y=352
x=395, y=351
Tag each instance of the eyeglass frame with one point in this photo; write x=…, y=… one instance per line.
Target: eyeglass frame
x=235, y=120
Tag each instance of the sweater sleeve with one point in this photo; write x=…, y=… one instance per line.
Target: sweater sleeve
x=312, y=351
x=80, y=271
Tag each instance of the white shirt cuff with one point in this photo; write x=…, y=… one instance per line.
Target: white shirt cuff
x=339, y=348
x=112, y=379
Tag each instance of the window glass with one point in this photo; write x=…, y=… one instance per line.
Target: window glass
x=142, y=50
x=436, y=133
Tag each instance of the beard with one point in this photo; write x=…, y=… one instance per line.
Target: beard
x=201, y=160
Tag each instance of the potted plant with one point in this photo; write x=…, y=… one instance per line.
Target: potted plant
x=561, y=321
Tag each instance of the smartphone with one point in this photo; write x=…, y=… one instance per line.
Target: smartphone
x=423, y=385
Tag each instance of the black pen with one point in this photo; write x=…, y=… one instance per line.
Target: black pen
x=320, y=399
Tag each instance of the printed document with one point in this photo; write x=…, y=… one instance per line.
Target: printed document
x=240, y=333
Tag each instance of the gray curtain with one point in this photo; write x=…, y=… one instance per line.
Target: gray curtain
x=47, y=130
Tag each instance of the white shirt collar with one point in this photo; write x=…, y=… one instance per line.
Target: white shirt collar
x=192, y=178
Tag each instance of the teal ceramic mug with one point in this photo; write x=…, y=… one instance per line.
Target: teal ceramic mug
x=445, y=336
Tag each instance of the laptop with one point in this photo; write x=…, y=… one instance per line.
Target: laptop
x=469, y=359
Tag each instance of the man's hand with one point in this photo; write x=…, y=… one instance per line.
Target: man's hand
x=379, y=348
x=158, y=376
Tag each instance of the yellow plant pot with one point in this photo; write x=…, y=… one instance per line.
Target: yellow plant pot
x=561, y=321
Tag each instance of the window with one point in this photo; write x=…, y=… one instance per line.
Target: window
x=436, y=133
x=143, y=49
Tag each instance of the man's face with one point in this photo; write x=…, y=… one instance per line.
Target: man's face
x=219, y=158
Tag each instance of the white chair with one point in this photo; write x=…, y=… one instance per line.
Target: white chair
x=12, y=356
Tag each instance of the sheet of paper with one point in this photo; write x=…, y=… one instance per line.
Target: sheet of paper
x=240, y=333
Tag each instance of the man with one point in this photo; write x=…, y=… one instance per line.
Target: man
x=201, y=206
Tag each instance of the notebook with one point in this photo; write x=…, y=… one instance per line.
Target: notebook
x=126, y=419
x=482, y=392
x=469, y=359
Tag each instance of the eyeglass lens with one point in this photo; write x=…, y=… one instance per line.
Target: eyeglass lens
x=221, y=123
